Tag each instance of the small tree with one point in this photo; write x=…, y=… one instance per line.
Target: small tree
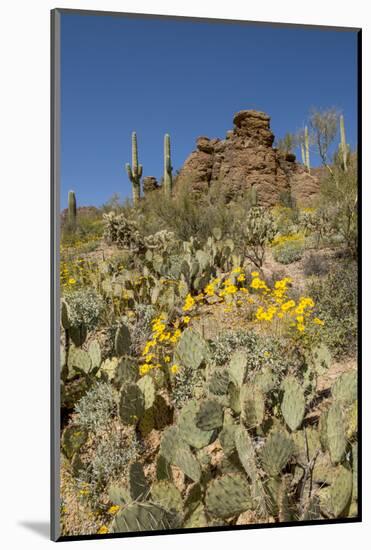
x=324, y=127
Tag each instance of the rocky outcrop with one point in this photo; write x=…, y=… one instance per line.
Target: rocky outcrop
x=246, y=158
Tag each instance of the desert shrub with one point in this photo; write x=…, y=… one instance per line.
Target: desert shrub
x=85, y=308
x=336, y=304
x=288, y=252
x=140, y=326
x=187, y=384
x=97, y=407
x=315, y=264
x=262, y=351
x=113, y=453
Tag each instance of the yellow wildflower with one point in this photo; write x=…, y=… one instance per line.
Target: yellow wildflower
x=288, y=305
x=113, y=509
x=102, y=530
x=237, y=270
x=143, y=369
x=167, y=359
x=317, y=321
x=189, y=303
x=210, y=290
x=71, y=281
x=254, y=274
x=241, y=278
x=174, y=369
x=186, y=319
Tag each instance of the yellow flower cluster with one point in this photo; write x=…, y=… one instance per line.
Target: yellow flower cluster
x=278, y=306
x=283, y=239
x=156, y=352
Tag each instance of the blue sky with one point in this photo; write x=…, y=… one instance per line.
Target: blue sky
x=185, y=78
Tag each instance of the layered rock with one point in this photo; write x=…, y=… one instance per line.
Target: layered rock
x=246, y=158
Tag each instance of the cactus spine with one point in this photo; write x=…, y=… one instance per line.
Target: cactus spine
x=306, y=141
x=343, y=143
x=135, y=170
x=168, y=178
x=72, y=211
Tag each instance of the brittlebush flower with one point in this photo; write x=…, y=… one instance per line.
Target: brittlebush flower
x=114, y=509
x=103, y=530
x=174, y=369
x=186, y=319
x=189, y=303
x=317, y=321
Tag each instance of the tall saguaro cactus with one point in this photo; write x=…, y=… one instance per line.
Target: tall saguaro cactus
x=306, y=143
x=135, y=170
x=343, y=143
x=168, y=178
x=72, y=210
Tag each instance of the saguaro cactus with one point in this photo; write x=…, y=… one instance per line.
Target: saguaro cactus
x=135, y=170
x=72, y=211
x=343, y=143
x=168, y=178
x=306, y=141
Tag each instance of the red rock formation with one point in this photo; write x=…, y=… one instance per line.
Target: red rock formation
x=245, y=158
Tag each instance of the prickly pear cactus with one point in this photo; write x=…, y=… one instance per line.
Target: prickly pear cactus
x=276, y=452
x=237, y=367
x=188, y=429
x=191, y=350
x=246, y=452
x=187, y=462
x=341, y=491
x=138, y=485
x=252, y=405
x=335, y=432
x=293, y=403
x=167, y=495
x=209, y=415
x=344, y=391
x=228, y=496
x=131, y=404
x=147, y=387
x=73, y=438
x=143, y=516
x=122, y=341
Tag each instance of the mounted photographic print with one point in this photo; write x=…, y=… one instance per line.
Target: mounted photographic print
x=205, y=217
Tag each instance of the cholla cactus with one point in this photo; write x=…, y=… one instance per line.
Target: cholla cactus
x=135, y=171
x=168, y=178
x=122, y=232
x=259, y=230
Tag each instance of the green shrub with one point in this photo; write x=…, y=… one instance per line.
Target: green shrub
x=97, y=407
x=111, y=456
x=315, y=264
x=85, y=308
x=336, y=304
x=288, y=252
x=262, y=351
